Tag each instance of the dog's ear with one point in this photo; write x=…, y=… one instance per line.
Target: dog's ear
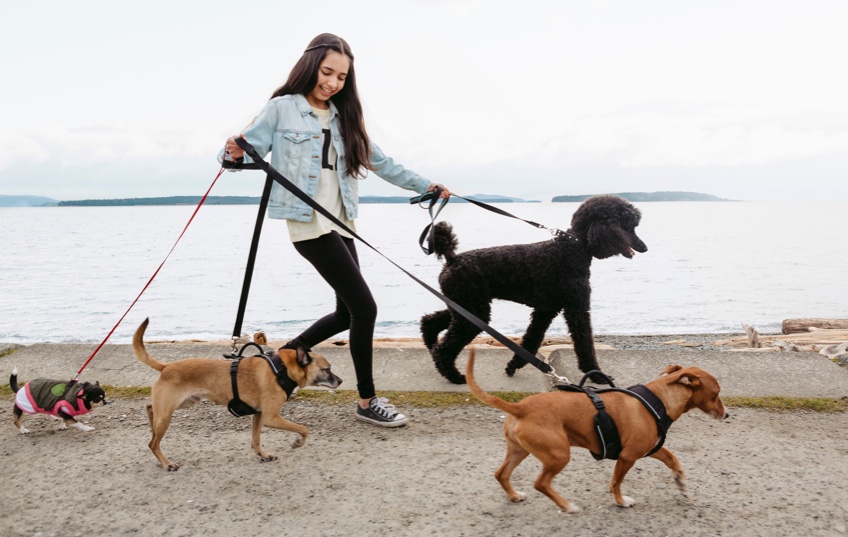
x=689, y=380
x=303, y=358
x=669, y=369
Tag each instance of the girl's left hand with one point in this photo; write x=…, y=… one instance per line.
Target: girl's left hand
x=445, y=192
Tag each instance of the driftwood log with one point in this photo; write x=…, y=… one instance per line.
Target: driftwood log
x=795, y=326
x=814, y=340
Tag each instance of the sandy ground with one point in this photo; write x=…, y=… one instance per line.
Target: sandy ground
x=758, y=473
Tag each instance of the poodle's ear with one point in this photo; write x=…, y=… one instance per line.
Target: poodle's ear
x=605, y=238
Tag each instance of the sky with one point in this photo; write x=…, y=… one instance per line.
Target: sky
x=742, y=99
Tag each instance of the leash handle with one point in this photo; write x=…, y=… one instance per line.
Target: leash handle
x=291, y=187
x=437, y=203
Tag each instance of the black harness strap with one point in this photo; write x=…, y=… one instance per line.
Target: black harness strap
x=605, y=425
x=473, y=319
x=279, y=369
x=239, y=408
x=656, y=407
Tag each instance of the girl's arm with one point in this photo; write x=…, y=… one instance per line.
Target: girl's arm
x=259, y=134
x=389, y=170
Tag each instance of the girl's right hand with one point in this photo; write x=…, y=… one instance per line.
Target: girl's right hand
x=232, y=151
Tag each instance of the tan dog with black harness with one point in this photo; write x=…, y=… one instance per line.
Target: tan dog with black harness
x=259, y=389
x=546, y=425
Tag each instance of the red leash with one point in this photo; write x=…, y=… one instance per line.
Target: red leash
x=151, y=278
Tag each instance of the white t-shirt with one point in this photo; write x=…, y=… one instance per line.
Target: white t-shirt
x=329, y=193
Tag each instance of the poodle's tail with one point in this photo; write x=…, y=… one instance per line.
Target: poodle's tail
x=445, y=242
x=483, y=397
x=141, y=352
x=13, y=380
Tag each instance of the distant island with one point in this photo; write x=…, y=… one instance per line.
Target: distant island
x=41, y=201
x=647, y=196
x=254, y=200
x=26, y=201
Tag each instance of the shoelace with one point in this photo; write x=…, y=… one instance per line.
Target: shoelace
x=381, y=406
x=385, y=402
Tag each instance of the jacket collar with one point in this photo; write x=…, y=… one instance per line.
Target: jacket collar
x=305, y=108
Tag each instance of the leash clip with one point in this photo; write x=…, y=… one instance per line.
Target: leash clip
x=556, y=379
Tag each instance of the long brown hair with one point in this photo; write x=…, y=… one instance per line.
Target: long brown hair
x=304, y=77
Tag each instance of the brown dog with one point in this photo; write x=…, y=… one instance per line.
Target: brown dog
x=184, y=383
x=547, y=424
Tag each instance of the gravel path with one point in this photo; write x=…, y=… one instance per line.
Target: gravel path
x=758, y=473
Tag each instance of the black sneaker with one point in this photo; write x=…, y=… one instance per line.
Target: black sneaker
x=380, y=412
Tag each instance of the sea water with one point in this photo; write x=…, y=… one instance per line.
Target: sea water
x=68, y=274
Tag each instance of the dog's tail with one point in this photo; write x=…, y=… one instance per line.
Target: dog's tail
x=13, y=380
x=445, y=242
x=141, y=352
x=491, y=400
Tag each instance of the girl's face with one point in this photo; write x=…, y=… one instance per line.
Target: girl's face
x=331, y=78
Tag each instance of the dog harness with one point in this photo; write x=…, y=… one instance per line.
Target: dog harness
x=46, y=396
x=239, y=408
x=605, y=425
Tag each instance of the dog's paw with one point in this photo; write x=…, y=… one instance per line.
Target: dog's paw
x=268, y=458
x=299, y=442
x=680, y=480
x=173, y=467
x=24, y=430
x=572, y=509
x=627, y=501
x=82, y=427
x=519, y=497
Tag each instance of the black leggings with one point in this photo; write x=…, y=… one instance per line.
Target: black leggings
x=335, y=259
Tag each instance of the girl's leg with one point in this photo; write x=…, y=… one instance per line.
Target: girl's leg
x=336, y=260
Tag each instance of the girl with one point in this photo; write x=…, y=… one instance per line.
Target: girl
x=314, y=128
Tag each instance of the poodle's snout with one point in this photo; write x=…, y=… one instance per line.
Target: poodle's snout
x=637, y=245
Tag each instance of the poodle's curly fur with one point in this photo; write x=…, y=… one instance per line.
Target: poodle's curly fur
x=550, y=277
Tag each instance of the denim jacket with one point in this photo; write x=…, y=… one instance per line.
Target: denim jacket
x=289, y=129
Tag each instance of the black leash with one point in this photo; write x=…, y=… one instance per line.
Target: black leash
x=251, y=258
x=291, y=187
x=434, y=199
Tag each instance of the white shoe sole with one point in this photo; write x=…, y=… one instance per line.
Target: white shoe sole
x=396, y=423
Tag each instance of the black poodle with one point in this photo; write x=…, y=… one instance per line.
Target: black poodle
x=550, y=277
